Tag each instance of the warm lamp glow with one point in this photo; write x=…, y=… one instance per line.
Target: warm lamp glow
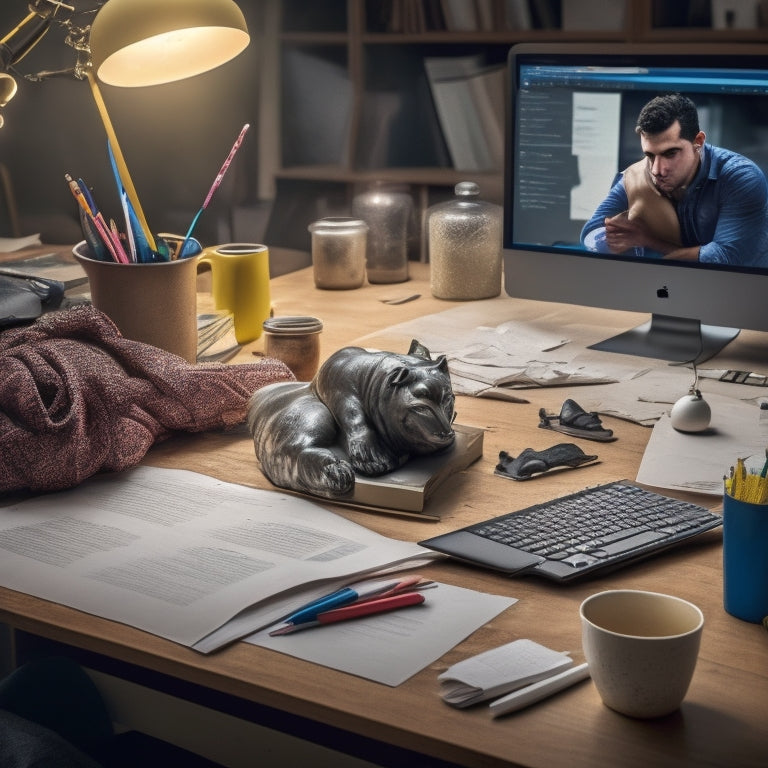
x=7, y=88
x=148, y=42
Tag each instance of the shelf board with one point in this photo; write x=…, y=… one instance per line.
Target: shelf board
x=496, y=37
x=411, y=175
x=315, y=38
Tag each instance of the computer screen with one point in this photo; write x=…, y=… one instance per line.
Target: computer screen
x=575, y=159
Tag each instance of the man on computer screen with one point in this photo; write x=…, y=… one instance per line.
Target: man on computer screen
x=686, y=199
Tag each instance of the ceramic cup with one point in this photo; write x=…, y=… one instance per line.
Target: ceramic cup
x=152, y=303
x=641, y=648
x=240, y=277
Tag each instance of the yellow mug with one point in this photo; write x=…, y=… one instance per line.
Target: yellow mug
x=240, y=285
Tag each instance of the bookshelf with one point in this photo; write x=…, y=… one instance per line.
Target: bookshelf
x=357, y=106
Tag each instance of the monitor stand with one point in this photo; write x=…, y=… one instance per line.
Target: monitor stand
x=678, y=339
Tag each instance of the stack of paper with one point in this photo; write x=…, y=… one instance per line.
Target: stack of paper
x=184, y=556
x=500, y=671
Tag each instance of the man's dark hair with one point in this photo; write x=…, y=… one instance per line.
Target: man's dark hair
x=662, y=111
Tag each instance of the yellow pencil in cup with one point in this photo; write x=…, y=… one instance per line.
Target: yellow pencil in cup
x=738, y=480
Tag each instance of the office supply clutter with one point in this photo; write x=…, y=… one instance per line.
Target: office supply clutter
x=135, y=244
x=571, y=536
x=355, y=601
x=520, y=673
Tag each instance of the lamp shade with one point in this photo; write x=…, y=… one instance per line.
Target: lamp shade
x=148, y=42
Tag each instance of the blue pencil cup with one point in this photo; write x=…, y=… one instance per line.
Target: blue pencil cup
x=745, y=559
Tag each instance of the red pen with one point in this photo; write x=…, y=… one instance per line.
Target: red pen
x=354, y=611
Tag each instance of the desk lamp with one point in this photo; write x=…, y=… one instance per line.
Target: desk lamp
x=149, y=42
x=17, y=43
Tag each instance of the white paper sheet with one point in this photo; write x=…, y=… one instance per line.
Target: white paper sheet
x=178, y=554
x=391, y=647
x=698, y=461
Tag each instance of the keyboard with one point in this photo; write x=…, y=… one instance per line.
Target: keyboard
x=571, y=536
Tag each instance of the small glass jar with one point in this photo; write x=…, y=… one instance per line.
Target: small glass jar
x=296, y=342
x=388, y=213
x=338, y=252
x=465, y=242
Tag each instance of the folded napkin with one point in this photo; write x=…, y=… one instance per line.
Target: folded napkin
x=76, y=397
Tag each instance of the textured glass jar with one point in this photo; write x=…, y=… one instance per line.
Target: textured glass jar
x=338, y=252
x=388, y=213
x=295, y=341
x=465, y=246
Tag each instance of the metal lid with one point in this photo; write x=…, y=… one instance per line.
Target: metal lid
x=293, y=324
x=338, y=224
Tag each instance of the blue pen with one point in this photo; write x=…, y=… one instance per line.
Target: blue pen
x=341, y=597
x=88, y=196
x=309, y=611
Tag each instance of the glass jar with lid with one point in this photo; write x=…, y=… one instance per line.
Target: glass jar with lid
x=465, y=242
x=338, y=252
x=388, y=212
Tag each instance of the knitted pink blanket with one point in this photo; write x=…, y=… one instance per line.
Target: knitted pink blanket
x=76, y=397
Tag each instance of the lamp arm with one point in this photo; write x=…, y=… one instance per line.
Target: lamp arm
x=22, y=39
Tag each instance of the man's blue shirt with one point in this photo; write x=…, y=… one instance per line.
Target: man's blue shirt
x=725, y=210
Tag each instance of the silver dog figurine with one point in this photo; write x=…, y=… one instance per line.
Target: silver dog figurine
x=364, y=412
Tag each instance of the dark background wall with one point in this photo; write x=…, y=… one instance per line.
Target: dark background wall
x=174, y=137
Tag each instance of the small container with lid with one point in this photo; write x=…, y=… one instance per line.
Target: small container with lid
x=338, y=252
x=388, y=212
x=465, y=242
x=295, y=341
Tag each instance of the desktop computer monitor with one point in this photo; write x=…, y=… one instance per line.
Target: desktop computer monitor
x=571, y=117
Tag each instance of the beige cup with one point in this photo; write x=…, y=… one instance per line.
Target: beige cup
x=641, y=648
x=153, y=303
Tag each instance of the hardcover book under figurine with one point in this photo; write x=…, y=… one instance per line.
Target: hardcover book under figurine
x=364, y=412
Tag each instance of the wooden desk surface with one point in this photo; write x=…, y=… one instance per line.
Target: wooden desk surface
x=722, y=721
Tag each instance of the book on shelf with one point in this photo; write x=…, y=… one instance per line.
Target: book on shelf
x=517, y=14
x=469, y=100
x=408, y=489
x=592, y=15
x=399, y=128
x=460, y=15
x=546, y=14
